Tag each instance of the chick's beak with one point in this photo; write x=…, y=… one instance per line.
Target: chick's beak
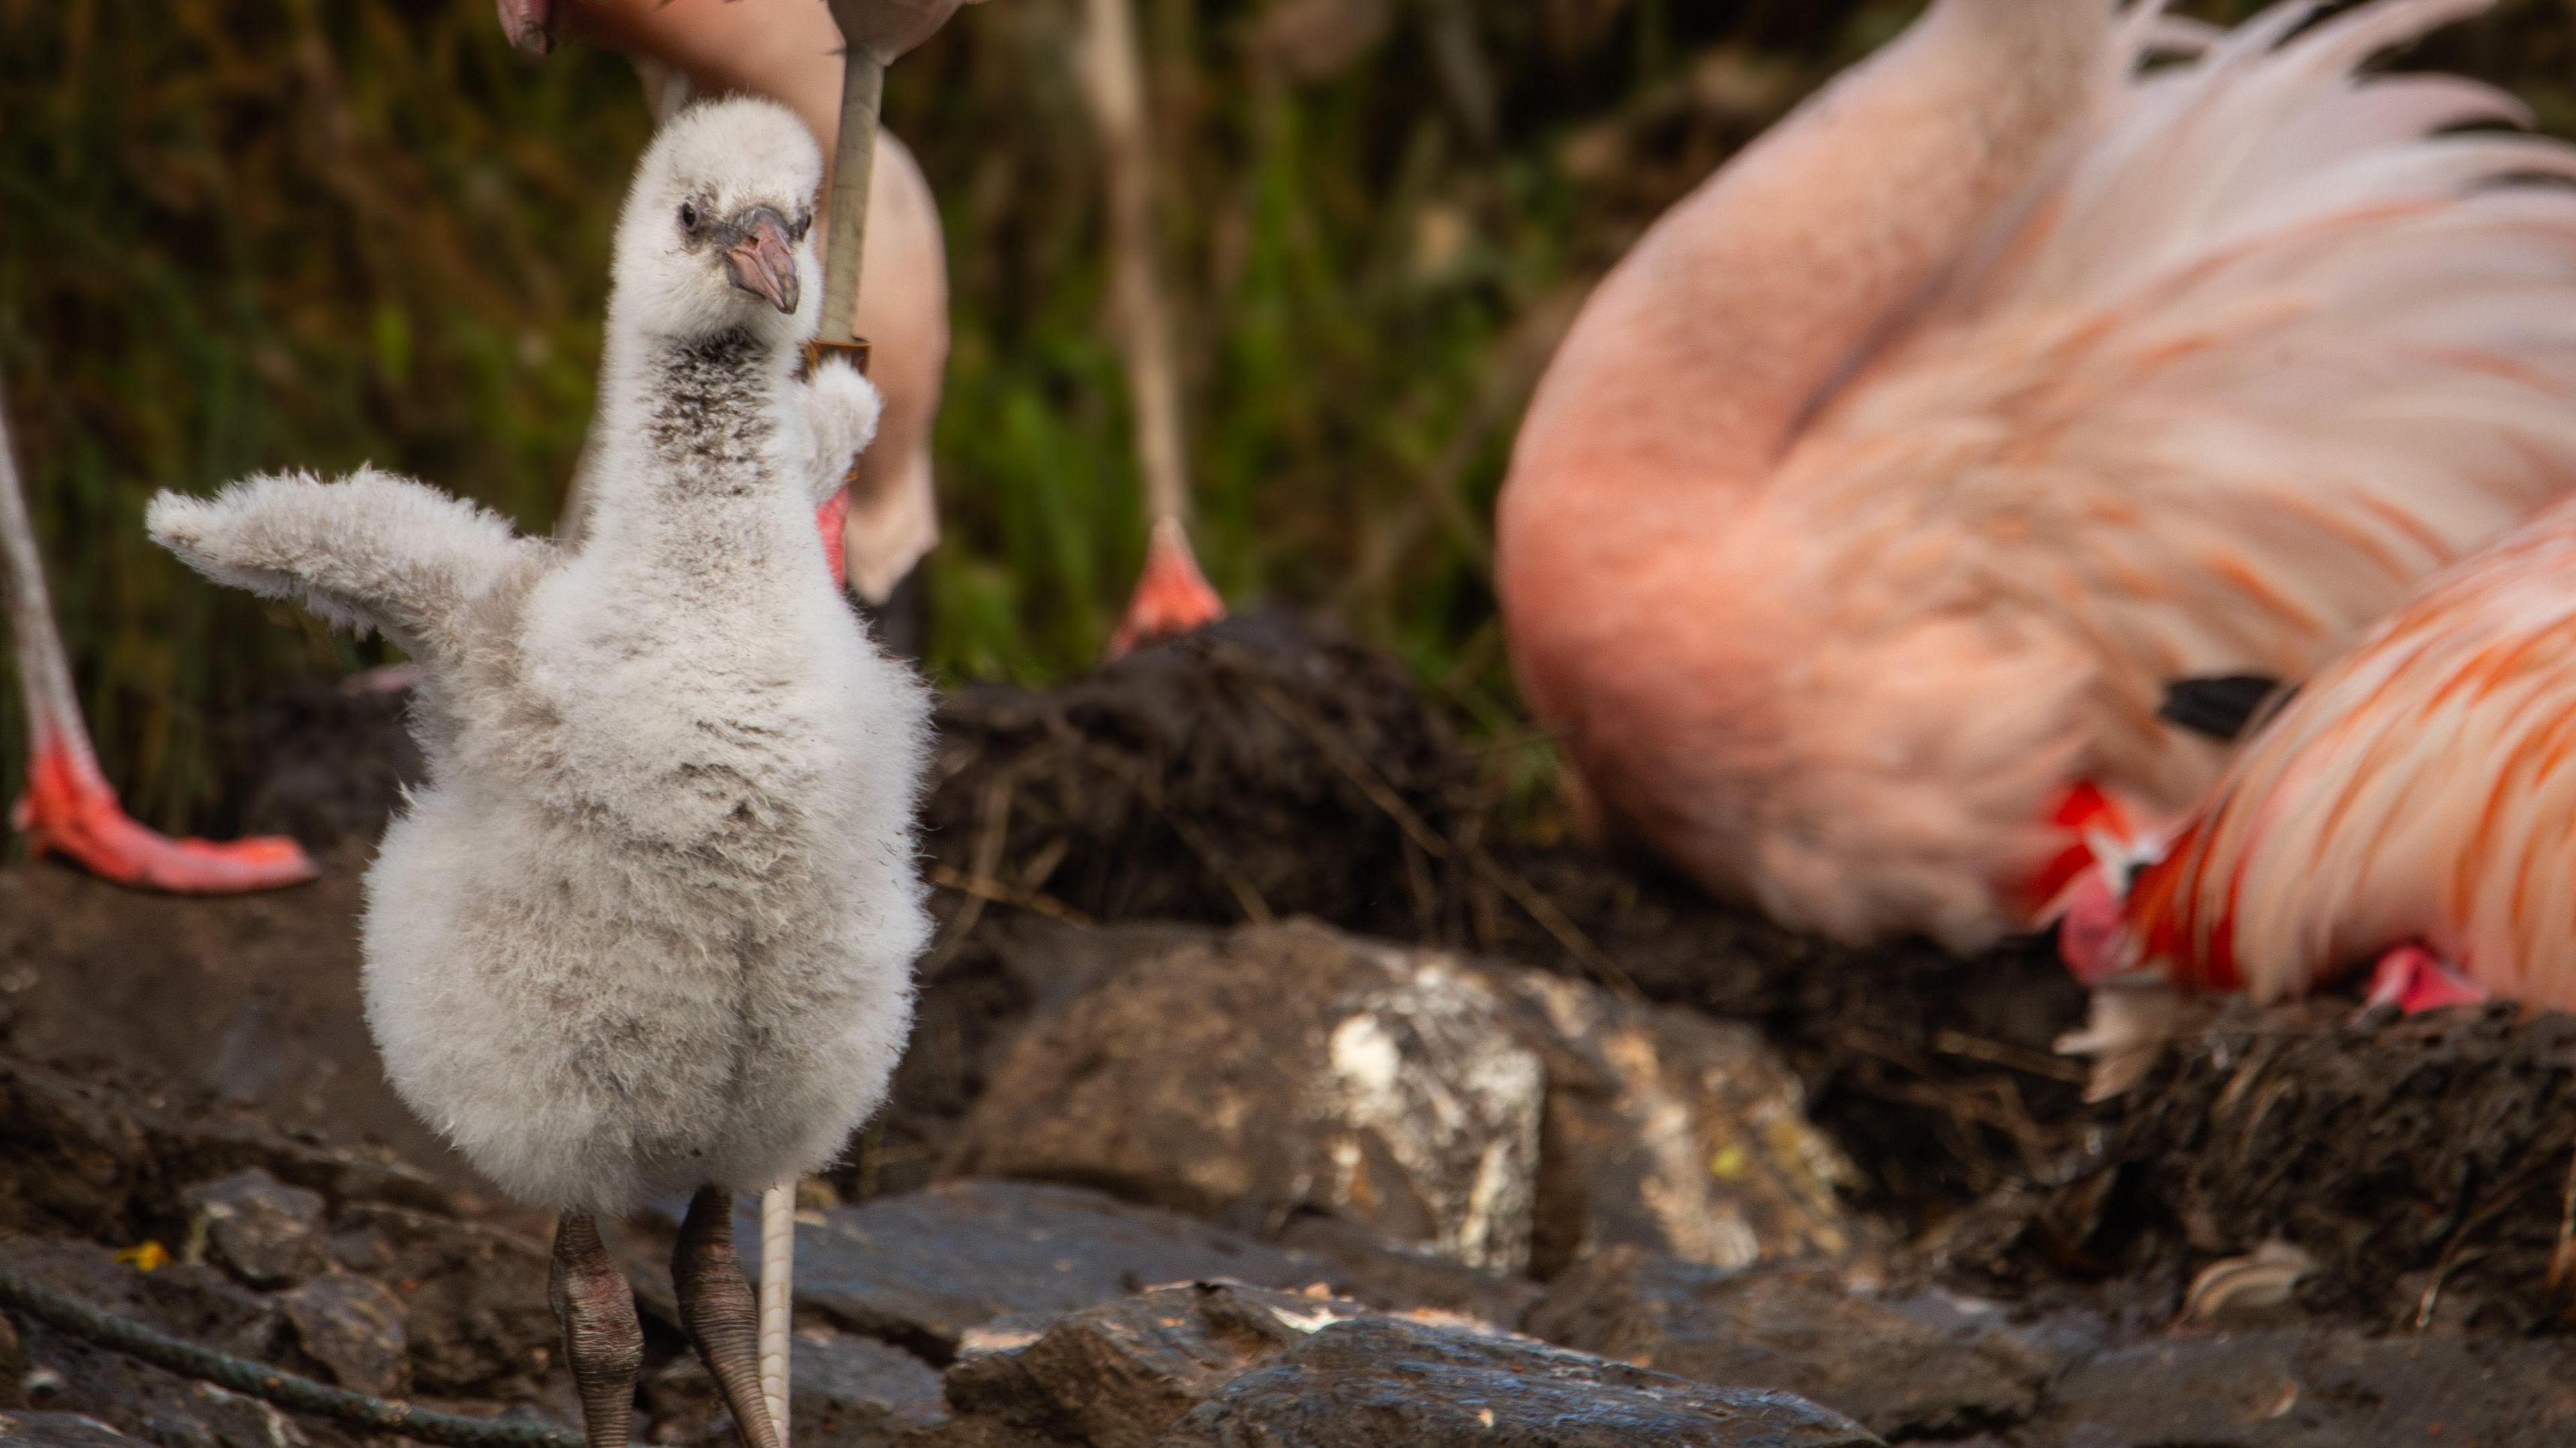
x=760, y=258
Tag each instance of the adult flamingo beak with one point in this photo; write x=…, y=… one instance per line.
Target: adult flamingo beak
x=761, y=260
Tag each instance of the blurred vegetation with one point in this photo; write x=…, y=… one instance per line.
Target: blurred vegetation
x=244, y=234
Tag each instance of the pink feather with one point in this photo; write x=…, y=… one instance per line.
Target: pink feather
x=2420, y=791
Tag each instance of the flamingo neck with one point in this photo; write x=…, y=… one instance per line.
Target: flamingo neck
x=1699, y=357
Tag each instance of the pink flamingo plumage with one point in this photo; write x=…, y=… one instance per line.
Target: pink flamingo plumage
x=2413, y=805
x=1877, y=496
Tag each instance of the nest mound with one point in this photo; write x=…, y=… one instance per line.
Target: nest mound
x=1256, y=769
x=2427, y=1166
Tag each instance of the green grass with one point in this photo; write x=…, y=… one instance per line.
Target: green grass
x=243, y=234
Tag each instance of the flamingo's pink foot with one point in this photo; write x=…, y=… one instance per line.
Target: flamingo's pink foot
x=69, y=811
x=2092, y=936
x=832, y=521
x=1172, y=596
x=2414, y=980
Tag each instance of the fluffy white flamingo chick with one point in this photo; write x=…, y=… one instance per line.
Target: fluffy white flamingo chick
x=649, y=926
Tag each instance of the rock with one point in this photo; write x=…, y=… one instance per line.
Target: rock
x=1674, y=1132
x=267, y=1233
x=353, y=1328
x=1900, y=1372
x=849, y=1392
x=2339, y=1390
x=196, y=1303
x=1506, y=1118
x=59, y=1430
x=856, y=1392
x=473, y=1297
x=1377, y=1381
x=1118, y=1375
x=921, y=1269
x=85, y=1158
x=1278, y=1069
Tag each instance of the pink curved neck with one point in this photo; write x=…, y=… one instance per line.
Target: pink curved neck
x=1700, y=355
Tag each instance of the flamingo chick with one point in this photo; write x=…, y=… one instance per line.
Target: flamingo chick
x=2407, y=809
x=1862, y=520
x=648, y=927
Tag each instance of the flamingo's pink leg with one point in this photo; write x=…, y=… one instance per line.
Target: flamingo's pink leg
x=69, y=809
x=2415, y=980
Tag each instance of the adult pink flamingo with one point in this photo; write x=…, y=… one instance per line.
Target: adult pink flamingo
x=2408, y=809
x=69, y=808
x=1876, y=497
x=790, y=52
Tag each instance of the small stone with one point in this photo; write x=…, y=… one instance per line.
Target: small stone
x=265, y=1232
x=353, y=1328
x=1378, y=1381
x=1118, y=1375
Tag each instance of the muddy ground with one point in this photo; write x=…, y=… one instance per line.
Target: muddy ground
x=2375, y=1213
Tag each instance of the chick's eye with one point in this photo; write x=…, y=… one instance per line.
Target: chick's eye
x=688, y=216
x=804, y=223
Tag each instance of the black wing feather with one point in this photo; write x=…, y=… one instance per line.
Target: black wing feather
x=2223, y=706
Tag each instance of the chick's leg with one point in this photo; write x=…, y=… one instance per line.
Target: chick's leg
x=723, y=1318
x=602, y=1340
